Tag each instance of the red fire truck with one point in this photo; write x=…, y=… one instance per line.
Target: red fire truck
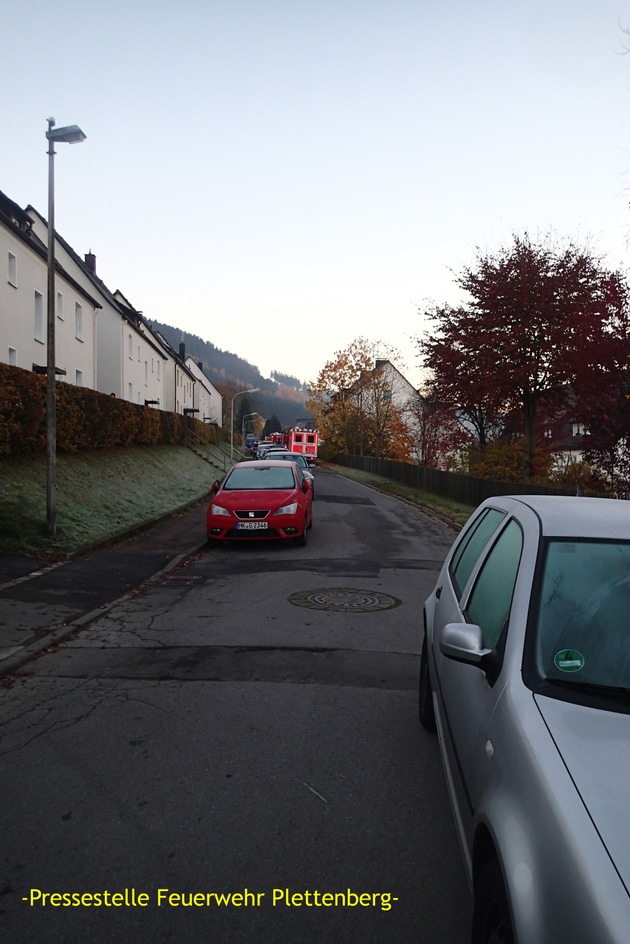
x=302, y=439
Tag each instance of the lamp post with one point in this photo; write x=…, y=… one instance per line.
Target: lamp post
x=71, y=134
x=239, y=394
x=244, y=423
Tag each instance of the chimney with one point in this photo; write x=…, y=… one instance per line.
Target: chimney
x=90, y=261
x=182, y=350
x=200, y=365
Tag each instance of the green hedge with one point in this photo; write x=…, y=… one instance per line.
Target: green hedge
x=86, y=419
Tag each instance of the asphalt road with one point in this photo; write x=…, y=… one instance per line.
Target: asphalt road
x=243, y=726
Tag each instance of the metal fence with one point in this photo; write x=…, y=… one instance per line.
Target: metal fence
x=452, y=485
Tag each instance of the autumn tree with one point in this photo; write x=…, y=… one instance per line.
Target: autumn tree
x=541, y=316
x=352, y=403
x=440, y=436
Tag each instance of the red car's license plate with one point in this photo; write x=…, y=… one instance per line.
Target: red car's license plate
x=251, y=525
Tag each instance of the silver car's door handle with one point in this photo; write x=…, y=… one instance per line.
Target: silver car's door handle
x=438, y=593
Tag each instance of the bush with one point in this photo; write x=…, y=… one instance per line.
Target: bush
x=86, y=419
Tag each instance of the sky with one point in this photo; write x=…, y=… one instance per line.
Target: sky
x=281, y=177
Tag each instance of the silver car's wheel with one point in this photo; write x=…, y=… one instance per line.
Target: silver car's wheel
x=492, y=923
x=425, y=694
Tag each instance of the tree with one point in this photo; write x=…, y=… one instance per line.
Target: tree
x=352, y=403
x=440, y=436
x=272, y=425
x=541, y=316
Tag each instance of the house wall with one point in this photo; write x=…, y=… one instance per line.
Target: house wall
x=142, y=367
x=22, y=340
x=207, y=398
x=127, y=369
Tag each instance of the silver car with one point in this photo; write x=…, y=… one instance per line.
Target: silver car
x=525, y=671
x=300, y=460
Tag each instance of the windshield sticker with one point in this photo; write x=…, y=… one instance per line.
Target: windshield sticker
x=568, y=660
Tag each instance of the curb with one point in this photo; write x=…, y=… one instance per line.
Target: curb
x=30, y=651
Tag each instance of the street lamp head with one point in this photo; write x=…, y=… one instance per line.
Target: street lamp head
x=71, y=134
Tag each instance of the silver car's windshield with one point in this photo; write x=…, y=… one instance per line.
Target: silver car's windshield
x=583, y=621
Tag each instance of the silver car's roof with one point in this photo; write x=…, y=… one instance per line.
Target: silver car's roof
x=572, y=516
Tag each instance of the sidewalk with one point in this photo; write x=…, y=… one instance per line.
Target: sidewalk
x=41, y=603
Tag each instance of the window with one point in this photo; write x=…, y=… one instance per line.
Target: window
x=583, y=629
x=131, y=391
x=158, y=369
x=60, y=306
x=138, y=353
x=491, y=599
x=12, y=275
x=578, y=429
x=12, y=357
x=130, y=348
x=471, y=547
x=39, y=317
x=79, y=378
x=152, y=365
x=78, y=322
x=146, y=373
x=387, y=396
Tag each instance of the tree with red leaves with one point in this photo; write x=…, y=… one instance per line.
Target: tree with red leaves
x=542, y=316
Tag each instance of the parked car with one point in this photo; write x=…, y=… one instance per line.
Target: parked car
x=262, y=448
x=273, y=449
x=261, y=500
x=525, y=670
x=302, y=462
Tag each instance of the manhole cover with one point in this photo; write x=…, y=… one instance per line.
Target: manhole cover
x=344, y=600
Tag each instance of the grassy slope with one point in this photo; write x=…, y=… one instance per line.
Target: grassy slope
x=103, y=494
x=99, y=494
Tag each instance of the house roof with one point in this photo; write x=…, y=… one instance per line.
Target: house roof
x=20, y=224
x=116, y=299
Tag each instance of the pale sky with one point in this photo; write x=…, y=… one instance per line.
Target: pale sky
x=281, y=177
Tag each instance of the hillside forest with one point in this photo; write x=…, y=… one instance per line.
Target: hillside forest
x=280, y=395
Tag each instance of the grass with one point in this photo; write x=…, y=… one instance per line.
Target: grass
x=100, y=495
x=106, y=493
x=435, y=504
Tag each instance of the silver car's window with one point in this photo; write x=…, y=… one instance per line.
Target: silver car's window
x=491, y=598
x=583, y=625
x=471, y=547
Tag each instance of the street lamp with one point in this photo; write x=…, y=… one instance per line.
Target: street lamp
x=239, y=394
x=71, y=134
x=244, y=423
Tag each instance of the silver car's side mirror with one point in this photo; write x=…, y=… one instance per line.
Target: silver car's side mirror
x=463, y=642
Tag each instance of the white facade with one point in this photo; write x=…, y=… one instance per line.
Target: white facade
x=130, y=361
x=207, y=399
x=102, y=341
x=24, y=306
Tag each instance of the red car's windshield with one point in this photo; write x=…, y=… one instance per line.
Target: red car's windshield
x=260, y=478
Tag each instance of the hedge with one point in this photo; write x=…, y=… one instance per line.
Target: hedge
x=86, y=419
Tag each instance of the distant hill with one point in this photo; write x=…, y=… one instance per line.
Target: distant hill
x=280, y=394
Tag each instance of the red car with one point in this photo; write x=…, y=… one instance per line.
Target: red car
x=261, y=500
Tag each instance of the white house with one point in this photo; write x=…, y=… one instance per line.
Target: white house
x=385, y=384
x=102, y=341
x=131, y=363
x=24, y=305
x=208, y=402
x=179, y=380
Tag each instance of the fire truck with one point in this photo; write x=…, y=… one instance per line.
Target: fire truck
x=303, y=439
